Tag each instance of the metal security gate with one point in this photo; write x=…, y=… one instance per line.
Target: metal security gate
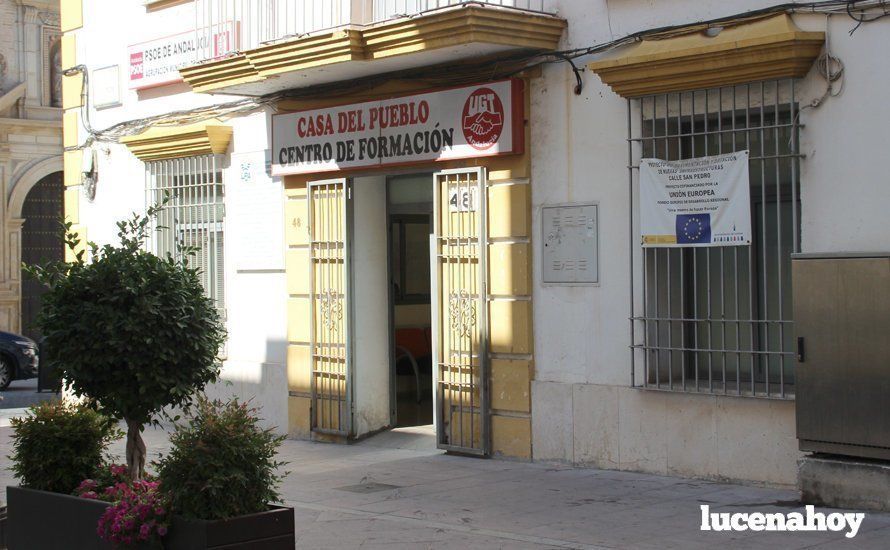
x=330, y=328
x=460, y=311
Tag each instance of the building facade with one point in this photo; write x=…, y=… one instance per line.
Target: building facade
x=415, y=213
x=30, y=153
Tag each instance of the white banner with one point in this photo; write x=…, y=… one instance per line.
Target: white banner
x=701, y=201
x=158, y=61
x=471, y=121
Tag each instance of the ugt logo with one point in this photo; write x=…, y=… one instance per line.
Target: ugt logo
x=483, y=118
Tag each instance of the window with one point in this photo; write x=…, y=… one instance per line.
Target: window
x=193, y=216
x=718, y=319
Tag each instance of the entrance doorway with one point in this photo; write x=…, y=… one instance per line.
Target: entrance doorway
x=42, y=241
x=409, y=221
x=397, y=307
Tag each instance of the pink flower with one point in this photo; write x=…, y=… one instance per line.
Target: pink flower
x=90, y=495
x=162, y=530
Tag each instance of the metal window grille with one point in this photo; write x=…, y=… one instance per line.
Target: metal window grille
x=718, y=319
x=192, y=220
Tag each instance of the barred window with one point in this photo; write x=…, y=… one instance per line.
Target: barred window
x=718, y=319
x=192, y=219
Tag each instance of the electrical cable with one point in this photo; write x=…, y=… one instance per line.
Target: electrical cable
x=829, y=66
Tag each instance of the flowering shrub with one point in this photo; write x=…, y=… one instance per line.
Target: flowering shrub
x=106, y=485
x=138, y=515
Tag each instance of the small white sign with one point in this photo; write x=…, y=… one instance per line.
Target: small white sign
x=571, y=244
x=255, y=206
x=106, y=86
x=703, y=201
x=463, y=198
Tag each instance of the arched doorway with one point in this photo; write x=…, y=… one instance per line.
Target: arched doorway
x=41, y=242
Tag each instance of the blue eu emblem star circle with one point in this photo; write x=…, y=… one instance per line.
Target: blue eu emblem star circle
x=693, y=228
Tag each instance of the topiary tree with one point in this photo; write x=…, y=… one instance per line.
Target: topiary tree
x=132, y=332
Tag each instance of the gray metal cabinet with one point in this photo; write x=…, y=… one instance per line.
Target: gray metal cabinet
x=842, y=324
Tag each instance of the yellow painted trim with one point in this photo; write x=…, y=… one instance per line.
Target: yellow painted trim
x=72, y=91
x=326, y=49
x=511, y=436
x=224, y=72
x=71, y=15
x=80, y=231
x=443, y=29
x=72, y=161
x=155, y=5
x=70, y=127
x=165, y=142
x=768, y=48
x=72, y=204
x=69, y=50
x=457, y=27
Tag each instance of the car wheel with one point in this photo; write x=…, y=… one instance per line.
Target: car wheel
x=5, y=373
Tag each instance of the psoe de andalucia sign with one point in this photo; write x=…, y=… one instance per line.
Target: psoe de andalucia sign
x=157, y=62
x=456, y=123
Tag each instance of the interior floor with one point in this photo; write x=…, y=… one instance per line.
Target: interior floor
x=411, y=411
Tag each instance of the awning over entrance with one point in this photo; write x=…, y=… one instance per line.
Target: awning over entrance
x=760, y=49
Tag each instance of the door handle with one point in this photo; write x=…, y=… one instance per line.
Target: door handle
x=801, y=355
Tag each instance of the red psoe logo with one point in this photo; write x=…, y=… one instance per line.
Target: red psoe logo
x=483, y=118
x=136, y=66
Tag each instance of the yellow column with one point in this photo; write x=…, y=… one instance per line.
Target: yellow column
x=297, y=267
x=510, y=310
x=72, y=101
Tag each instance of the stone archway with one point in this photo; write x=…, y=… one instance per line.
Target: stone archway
x=11, y=222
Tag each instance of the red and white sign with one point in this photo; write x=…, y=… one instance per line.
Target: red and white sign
x=157, y=62
x=465, y=122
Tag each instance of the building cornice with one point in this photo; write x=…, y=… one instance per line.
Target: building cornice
x=166, y=142
x=763, y=49
x=447, y=28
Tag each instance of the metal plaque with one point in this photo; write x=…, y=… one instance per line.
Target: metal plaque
x=571, y=244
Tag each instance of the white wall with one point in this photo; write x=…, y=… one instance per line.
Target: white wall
x=255, y=365
x=370, y=298
x=584, y=411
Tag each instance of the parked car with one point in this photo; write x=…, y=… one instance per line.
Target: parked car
x=19, y=358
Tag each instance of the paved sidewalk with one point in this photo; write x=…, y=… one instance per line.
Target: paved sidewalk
x=373, y=495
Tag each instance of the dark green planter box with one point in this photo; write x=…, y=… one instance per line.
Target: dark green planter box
x=51, y=521
x=269, y=530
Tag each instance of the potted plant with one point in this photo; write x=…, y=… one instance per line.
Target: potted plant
x=131, y=334
x=219, y=479
x=55, y=446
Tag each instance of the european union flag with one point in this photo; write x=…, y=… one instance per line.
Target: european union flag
x=693, y=228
